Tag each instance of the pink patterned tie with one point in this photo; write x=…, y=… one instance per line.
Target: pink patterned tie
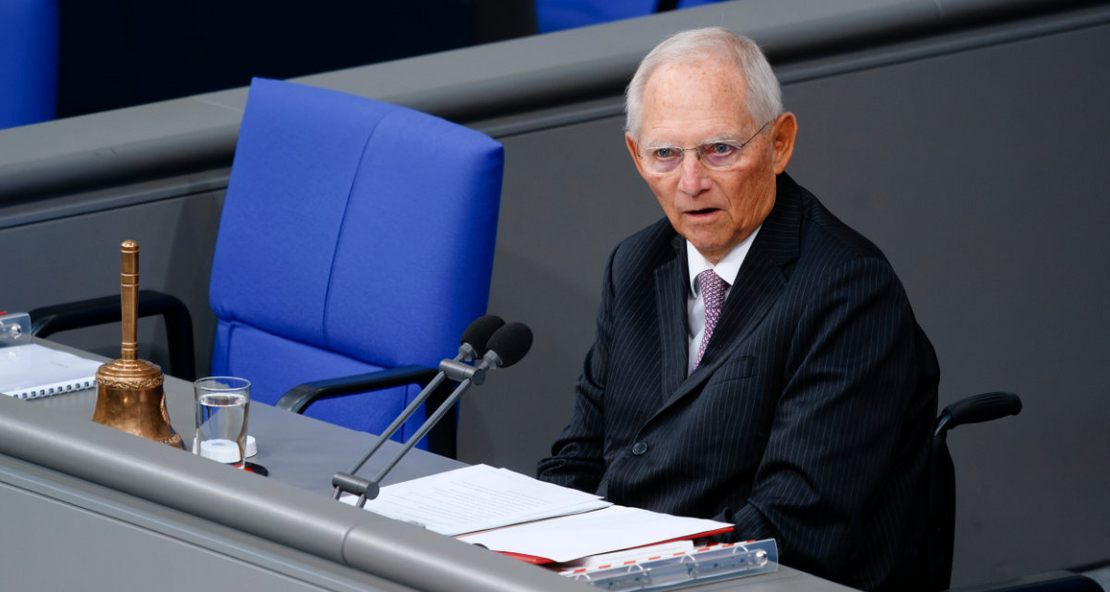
x=712, y=289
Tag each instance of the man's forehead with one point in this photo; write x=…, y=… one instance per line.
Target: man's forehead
x=704, y=67
x=704, y=96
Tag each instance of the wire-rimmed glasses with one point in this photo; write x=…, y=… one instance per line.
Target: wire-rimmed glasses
x=719, y=155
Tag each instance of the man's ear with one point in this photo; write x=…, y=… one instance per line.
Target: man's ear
x=633, y=151
x=782, y=136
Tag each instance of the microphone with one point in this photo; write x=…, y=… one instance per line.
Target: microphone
x=472, y=344
x=506, y=346
x=476, y=336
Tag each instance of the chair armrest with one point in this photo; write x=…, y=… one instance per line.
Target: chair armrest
x=47, y=320
x=298, y=398
x=441, y=440
x=977, y=409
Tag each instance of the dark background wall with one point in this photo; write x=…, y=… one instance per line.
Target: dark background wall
x=119, y=53
x=975, y=158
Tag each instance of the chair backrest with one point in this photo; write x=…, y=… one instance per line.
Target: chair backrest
x=355, y=236
x=942, y=489
x=28, y=61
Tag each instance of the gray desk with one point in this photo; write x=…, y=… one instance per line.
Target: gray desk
x=86, y=507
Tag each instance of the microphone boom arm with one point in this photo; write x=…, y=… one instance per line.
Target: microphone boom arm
x=355, y=485
x=506, y=345
x=369, y=488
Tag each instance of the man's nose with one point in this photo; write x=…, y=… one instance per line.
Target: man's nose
x=693, y=179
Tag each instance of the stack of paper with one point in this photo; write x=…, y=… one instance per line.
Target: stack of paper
x=31, y=371
x=477, y=498
x=529, y=519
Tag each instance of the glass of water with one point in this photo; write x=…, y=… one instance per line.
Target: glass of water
x=223, y=403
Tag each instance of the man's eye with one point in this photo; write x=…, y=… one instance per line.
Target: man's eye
x=720, y=149
x=664, y=153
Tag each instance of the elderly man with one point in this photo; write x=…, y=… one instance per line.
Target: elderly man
x=756, y=360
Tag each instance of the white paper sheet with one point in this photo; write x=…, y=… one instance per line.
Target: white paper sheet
x=601, y=531
x=31, y=371
x=476, y=498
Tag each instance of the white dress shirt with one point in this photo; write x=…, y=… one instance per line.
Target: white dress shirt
x=727, y=269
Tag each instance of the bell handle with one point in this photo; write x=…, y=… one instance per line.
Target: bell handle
x=129, y=293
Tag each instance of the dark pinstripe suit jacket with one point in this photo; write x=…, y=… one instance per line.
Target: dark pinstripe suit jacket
x=808, y=420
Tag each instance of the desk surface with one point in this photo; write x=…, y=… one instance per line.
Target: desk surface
x=305, y=452
x=297, y=450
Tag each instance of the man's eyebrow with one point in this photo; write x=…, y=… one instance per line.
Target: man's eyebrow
x=720, y=139
x=709, y=140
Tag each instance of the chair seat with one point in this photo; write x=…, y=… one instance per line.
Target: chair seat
x=272, y=374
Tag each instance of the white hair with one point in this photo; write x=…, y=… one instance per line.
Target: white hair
x=764, y=100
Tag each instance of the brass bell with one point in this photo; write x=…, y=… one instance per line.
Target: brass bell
x=129, y=395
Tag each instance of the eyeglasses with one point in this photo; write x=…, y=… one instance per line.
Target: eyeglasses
x=720, y=155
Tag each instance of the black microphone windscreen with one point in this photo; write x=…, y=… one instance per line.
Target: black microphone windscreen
x=510, y=343
x=479, y=332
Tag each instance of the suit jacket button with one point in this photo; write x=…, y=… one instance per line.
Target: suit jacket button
x=639, y=448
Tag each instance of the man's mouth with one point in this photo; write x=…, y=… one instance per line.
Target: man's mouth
x=702, y=212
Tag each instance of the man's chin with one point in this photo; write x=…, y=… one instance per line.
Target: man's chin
x=711, y=250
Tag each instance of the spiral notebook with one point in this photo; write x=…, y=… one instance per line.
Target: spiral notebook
x=32, y=371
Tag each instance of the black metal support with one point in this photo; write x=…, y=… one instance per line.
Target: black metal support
x=942, y=477
x=441, y=440
x=47, y=320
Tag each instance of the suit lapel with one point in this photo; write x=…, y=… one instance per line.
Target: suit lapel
x=758, y=285
x=670, y=305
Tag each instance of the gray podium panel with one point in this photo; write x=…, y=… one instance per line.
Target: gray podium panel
x=63, y=533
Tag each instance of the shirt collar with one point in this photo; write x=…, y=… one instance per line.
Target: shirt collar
x=727, y=268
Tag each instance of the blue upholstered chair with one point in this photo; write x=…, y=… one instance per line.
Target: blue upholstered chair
x=557, y=15
x=356, y=236
x=355, y=246
x=28, y=61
